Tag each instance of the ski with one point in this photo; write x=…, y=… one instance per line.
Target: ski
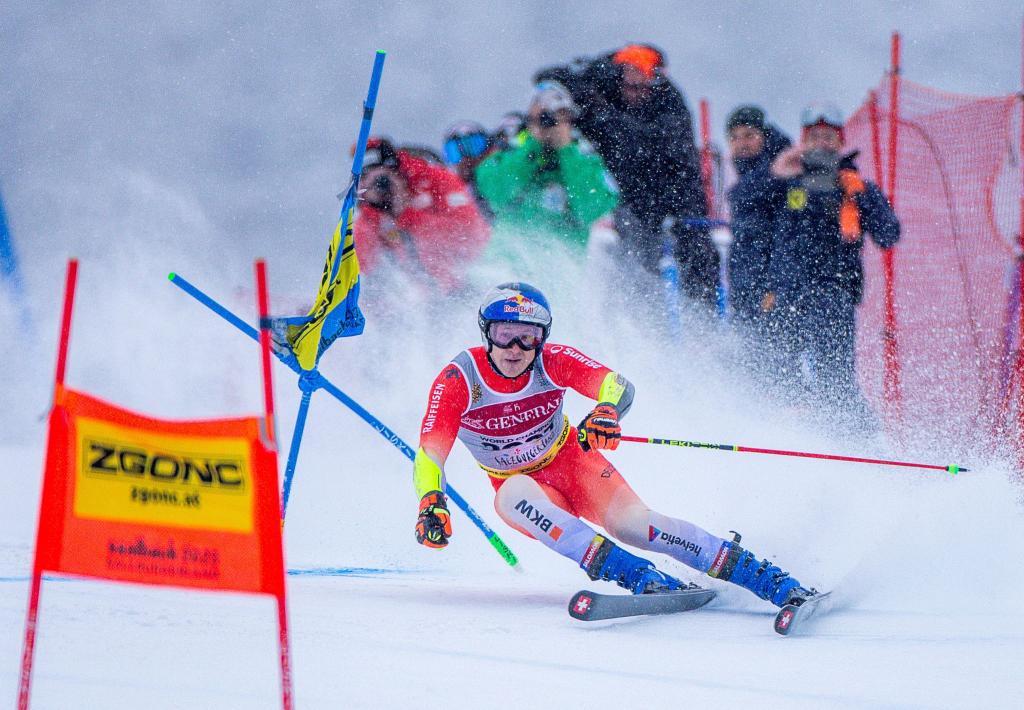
x=591, y=606
x=792, y=616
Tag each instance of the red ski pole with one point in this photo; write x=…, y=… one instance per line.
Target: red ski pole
x=951, y=468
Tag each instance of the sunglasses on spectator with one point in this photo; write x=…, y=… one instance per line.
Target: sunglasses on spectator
x=526, y=335
x=457, y=148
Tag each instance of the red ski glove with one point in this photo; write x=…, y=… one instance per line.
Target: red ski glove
x=434, y=526
x=600, y=429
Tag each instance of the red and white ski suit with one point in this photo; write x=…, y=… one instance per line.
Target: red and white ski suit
x=544, y=482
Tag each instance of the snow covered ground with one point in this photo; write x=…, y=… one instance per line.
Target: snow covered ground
x=925, y=566
x=191, y=138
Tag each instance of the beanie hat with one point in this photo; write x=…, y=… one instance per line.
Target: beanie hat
x=640, y=56
x=752, y=116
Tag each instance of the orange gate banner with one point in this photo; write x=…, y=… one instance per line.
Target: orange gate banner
x=131, y=498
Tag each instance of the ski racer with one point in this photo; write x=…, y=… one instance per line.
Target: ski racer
x=503, y=400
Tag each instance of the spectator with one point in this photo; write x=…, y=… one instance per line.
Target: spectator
x=510, y=130
x=466, y=145
x=419, y=216
x=816, y=271
x=753, y=203
x=553, y=185
x=639, y=123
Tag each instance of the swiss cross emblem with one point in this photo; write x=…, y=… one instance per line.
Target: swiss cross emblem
x=787, y=616
x=582, y=605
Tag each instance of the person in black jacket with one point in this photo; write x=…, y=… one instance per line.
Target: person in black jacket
x=816, y=275
x=753, y=203
x=639, y=123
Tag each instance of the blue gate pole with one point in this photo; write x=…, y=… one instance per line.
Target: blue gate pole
x=293, y=450
x=323, y=383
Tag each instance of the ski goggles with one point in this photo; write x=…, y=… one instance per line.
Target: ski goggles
x=527, y=336
x=457, y=148
x=826, y=113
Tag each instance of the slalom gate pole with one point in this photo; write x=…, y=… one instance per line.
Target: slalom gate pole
x=293, y=450
x=307, y=380
x=321, y=382
x=262, y=309
x=35, y=590
x=348, y=203
x=951, y=468
x=70, y=282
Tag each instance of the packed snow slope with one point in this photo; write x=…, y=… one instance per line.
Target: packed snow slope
x=922, y=562
x=192, y=140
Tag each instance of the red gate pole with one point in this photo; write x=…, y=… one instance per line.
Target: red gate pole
x=705, y=157
x=32, y=613
x=891, y=382
x=263, y=308
x=65, y=323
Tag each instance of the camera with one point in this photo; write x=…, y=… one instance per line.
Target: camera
x=382, y=191
x=821, y=170
x=546, y=119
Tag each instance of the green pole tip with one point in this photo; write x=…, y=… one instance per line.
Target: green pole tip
x=954, y=469
x=381, y=51
x=170, y=276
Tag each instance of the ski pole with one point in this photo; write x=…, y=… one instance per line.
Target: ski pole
x=492, y=537
x=951, y=468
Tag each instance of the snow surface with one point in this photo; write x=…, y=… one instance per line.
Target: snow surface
x=194, y=138
x=925, y=566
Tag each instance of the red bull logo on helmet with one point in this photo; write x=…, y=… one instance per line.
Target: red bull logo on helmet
x=520, y=304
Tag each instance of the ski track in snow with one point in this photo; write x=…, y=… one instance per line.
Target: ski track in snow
x=458, y=627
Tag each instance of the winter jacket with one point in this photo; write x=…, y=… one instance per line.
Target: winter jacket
x=436, y=236
x=809, y=257
x=538, y=190
x=649, y=148
x=753, y=203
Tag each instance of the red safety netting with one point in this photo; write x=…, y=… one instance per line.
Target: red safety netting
x=957, y=194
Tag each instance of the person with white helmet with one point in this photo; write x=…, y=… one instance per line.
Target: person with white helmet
x=816, y=277
x=504, y=401
x=552, y=186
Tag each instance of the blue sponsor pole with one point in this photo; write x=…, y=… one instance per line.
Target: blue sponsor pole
x=318, y=381
x=9, y=269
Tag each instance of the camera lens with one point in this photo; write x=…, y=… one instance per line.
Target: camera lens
x=382, y=183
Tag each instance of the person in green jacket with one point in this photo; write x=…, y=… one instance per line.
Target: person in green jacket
x=552, y=186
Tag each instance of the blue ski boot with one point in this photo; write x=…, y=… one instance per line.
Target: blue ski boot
x=736, y=565
x=606, y=560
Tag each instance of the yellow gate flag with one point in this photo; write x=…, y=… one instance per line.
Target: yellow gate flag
x=335, y=313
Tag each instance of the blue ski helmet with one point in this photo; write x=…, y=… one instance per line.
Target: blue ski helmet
x=515, y=302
